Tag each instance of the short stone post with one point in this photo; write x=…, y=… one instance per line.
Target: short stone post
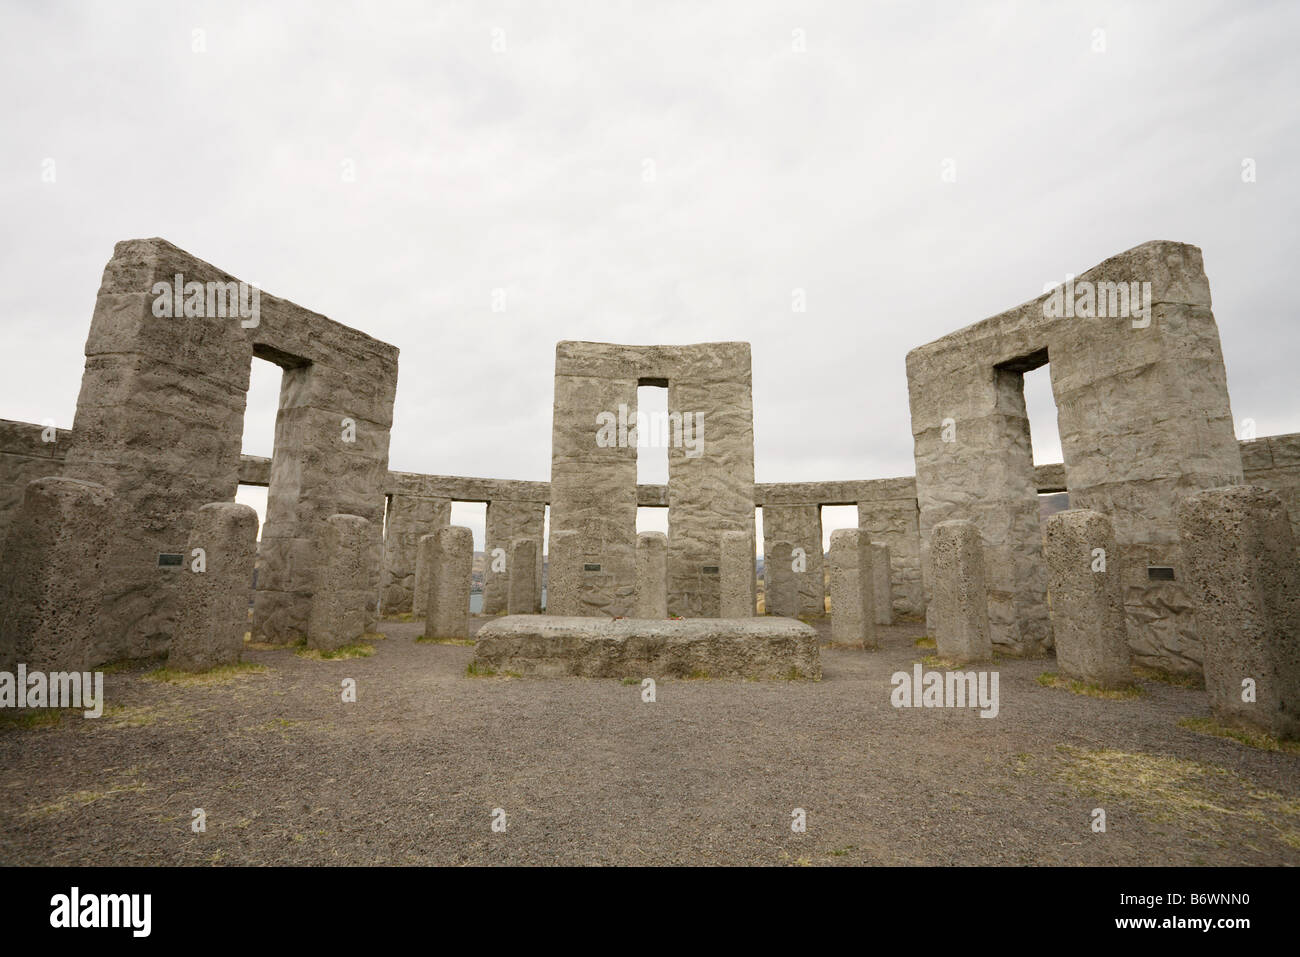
x=851, y=615
x=339, y=601
x=424, y=563
x=780, y=588
x=1244, y=580
x=882, y=597
x=961, y=613
x=216, y=588
x=521, y=593
x=446, y=604
x=564, y=574
x=651, y=575
x=1087, y=598
x=736, y=576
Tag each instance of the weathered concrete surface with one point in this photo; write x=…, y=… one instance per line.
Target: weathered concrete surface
x=737, y=577
x=425, y=557
x=651, y=575
x=548, y=646
x=215, y=595
x=780, y=595
x=959, y=595
x=51, y=578
x=409, y=519
x=507, y=521
x=801, y=526
x=1245, y=580
x=447, y=600
x=339, y=606
x=710, y=467
x=564, y=575
x=882, y=606
x=1273, y=462
x=27, y=451
x=1087, y=598
x=1143, y=414
x=160, y=420
x=524, y=589
x=851, y=615
x=887, y=514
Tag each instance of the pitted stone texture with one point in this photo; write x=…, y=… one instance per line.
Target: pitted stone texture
x=447, y=601
x=425, y=557
x=51, y=575
x=851, y=615
x=651, y=575
x=547, y=646
x=1087, y=599
x=1143, y=415
x=1245, y=579
x=216, y=600
x=710, y=484
x=887, y=513
x=779, y=586
x=882, y=605
x=339, y=606
x=737, y=578
x=959, y=594
x=409, y=519
x=507, y=521
x=564, y=575
x=523, y=597
x=26, y=453
x=801, y=526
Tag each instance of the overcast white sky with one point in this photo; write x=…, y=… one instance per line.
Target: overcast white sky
x=503, y=146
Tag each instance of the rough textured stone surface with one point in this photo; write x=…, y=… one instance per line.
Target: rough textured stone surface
x=339, y=605
x=160, y=420
x=882, y=604
x=887, y=514
x=851, y=616
x=1087, y=598
x=524, y=596
x=507, y=521
x=547, y=646
x=737, y=578
x=408, y=520
x=593, y=488
x=447, y=600
x=801, y=527
x=1143, y=415
x=780, y=595
x=215, y=601
x=959, y=595
x=1245, y=580
x=51, y=575
x=651, y=575
x=564, y=575
x=425, y=557
x=26, y=454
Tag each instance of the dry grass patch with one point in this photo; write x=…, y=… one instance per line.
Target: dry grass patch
x=1144, y=673
x=221, y=674
x=463, y=642
x=1050, y=679
x=80, y=799
x=1247, y=736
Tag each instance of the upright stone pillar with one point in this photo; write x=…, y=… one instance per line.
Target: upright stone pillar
x=51, y=617
x=651, y=575
x=564, y=575
x=425, y=557
x=1245, y=582
x=959, y=596
x=851, y=615
x=216, y=588
x=339, y=606
x=882, y=597
x=446, y=604
x=1085, y=584
x=736, y=576
x=522, y=588
x=780, y=594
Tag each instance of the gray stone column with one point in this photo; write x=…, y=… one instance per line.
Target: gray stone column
x=339, y=611
x=1243, y=576
x=216, y=588
x=651, y=575
x=801, y=526
x=1085, y=584
x=960, y=598
x=850, y=559
x=564, y=574
x=425, y=557
x=780, y=596
x=447, y=601
x=882, y=599
x=505, y=522
x=409, y=519
x=736, y=576
x=51, y=618
x=522, y=597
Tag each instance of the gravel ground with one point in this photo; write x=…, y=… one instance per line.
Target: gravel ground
x=586, y=773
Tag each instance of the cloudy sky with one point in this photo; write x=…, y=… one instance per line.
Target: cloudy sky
x=649, y=172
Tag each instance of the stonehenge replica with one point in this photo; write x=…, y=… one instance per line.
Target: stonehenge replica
x=119, y=538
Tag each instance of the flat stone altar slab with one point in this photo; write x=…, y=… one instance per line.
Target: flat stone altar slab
x=556, y=646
